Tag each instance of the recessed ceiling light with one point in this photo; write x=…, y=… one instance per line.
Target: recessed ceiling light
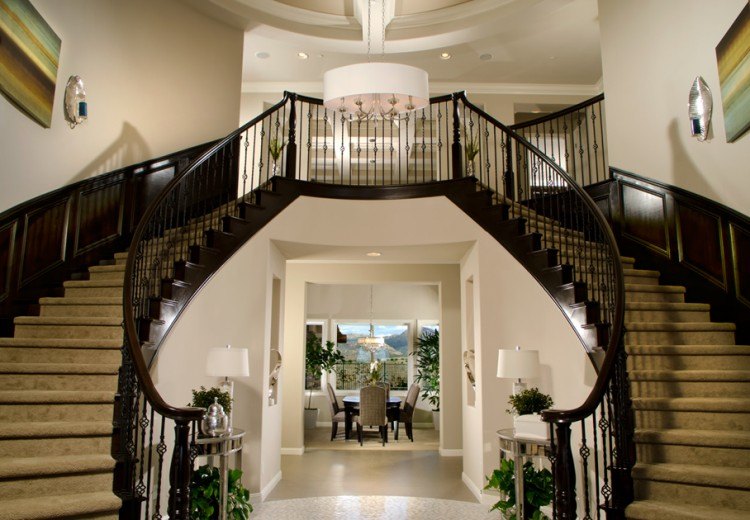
x=485, y=57
x=373, y=253
x=321, y=55
x=445, y=55
x=262, y=55
x=303, y=55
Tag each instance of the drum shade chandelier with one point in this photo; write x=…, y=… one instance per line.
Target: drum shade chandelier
x=375, y=90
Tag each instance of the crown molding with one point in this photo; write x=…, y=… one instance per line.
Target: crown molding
x=438, y=87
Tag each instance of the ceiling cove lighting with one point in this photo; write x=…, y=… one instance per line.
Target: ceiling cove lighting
x=375, y=90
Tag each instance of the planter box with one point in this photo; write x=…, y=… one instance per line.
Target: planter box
x=311, y=418
x=531, y=426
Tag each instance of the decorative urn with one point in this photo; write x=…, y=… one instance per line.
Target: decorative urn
x=215, y=421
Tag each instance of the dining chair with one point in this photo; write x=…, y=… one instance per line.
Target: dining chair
x=337, y=413
x=406, y=414
x=372, y=411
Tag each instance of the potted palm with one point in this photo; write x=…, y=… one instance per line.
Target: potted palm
x=274, y=150
x=428, y=370
x=472, y=149
x=318, y=359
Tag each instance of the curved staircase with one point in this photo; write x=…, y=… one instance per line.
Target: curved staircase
x=58, y=378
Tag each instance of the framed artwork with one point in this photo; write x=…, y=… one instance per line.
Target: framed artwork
x=733, y=56
x=29, y=57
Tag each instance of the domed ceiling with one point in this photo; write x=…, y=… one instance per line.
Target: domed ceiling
x=493, y=45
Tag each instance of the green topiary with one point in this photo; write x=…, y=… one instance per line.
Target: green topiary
x=529, y=401
x=204, y=398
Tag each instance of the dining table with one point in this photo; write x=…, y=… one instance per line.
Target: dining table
x=351, y=408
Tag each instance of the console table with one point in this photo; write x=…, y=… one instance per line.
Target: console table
x=222, y=447
x=520, y=448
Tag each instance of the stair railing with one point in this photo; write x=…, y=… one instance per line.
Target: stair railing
x=568, y=223
x=301, y=139
x=215, y=186
x=574, y=138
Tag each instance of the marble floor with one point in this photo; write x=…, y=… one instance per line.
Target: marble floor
x=371, y=508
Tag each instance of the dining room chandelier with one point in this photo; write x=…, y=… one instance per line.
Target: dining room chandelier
x=371, y=342
x=375, y=90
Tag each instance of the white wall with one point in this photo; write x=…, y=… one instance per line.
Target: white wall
x=652, y=50
x=159, y=77
x=509, y=306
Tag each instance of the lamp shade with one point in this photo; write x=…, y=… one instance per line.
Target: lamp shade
x=228, y=362
x=517, y=364
x=368, y=83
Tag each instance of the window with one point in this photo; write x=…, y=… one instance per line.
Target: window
x=394, y=357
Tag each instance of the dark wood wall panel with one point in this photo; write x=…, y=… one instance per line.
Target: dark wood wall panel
x=644, y=217
x=699, y=242
x=99, y=216
x=44, y=240
x=7, y=248
x=741, y=259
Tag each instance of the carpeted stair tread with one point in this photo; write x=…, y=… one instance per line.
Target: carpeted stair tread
x=689, y=375
x=655, y=288
x=39, y=430
x=112, y=321
x=715, y=438
x=684, y=326
x=62, y=343
x=736, y=478
x=656, y=510
x=93, y=283
x=641, y=272
x=78, y=300
x=62, y=507
x=693, y=404
x=59, y=465
x=107, y=268
x=667, y=306
x=58, y=368
x=55, y=396
x=690, y=350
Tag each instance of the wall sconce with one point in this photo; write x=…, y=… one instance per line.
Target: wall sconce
x=76, y=108
x=700, y=106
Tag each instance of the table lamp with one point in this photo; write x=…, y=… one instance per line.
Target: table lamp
x=228, y=362
x=517, y=364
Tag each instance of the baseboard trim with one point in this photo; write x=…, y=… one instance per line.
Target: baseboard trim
x=293, y=451
x=451, y=453
x=472, y=487
x=270, y=486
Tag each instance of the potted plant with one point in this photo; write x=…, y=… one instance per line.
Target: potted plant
x=526, y=406
x=471, y=149
x=204, y=495
x=428, y=370
x=274, y=150
x=537, y=490
x=318, y=359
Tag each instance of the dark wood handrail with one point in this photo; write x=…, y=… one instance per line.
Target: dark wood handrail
x=560, y=113
x=181, y=414
x=606, y=370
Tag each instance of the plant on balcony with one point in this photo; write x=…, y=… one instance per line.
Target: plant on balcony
x=537, y=490
x=428, y=366
x=274, y=150
x=471, y=149
x=204, y=495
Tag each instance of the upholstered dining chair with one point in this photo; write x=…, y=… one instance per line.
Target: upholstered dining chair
x=337, y=414
x=406, y=414
x=372, y=411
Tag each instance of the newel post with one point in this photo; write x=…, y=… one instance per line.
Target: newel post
x=564, y=474
x=291, y=145
x=457, y=165
x=180, y=472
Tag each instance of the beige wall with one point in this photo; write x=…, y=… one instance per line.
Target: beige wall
x=159, y=76
x=652, y=50
x=234, y=307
